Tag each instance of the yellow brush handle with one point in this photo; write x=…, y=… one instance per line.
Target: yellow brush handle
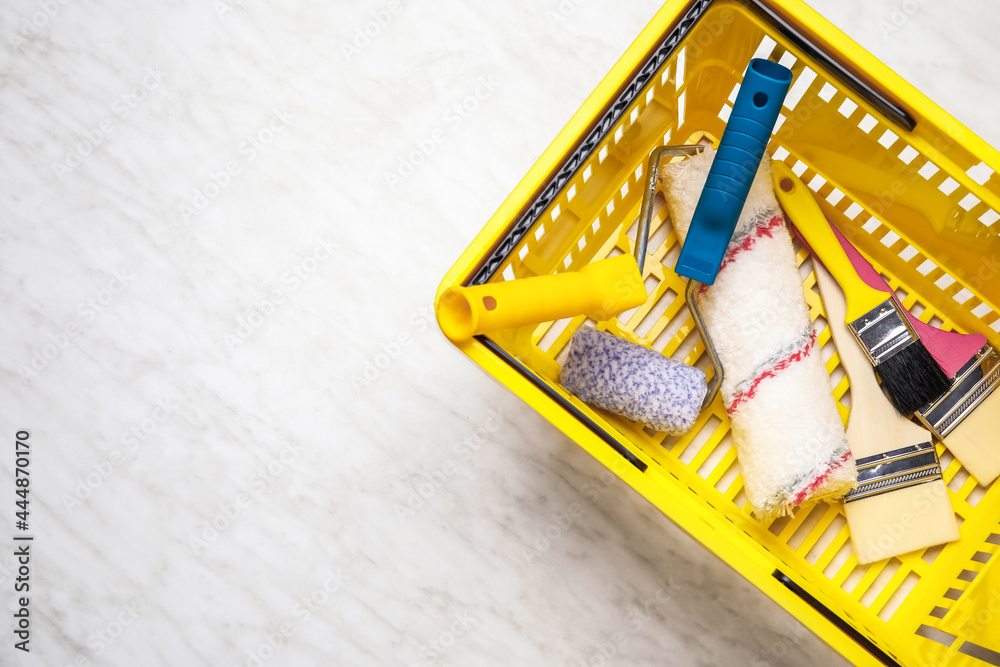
x=803, y=211
x=599, y=290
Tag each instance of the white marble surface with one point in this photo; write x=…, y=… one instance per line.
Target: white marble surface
x=193, y=338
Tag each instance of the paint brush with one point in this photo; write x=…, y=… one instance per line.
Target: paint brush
x=901, y=502
x=973, y=368
x=909, y=374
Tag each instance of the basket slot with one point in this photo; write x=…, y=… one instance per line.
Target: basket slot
x=880, y=585
x=935, y=635
x=980, y=653
x=706, y=437
x=673, y=250
x=899, y=591
x=661, y=231
x=740, y=498
x=939, y=612
x=838, y=559
x=664, y=299
x=826, y=544
x=625, y=318
x=813, y=531
x=690, y=351
x=631, y=232
x=980, y=173
x=953, y=593
x=930, y=555
x=725, y=470
x=967, y=575
x=981, y=557
x=778, y=525
x=795, y=522
x=764, y=49
x=678, y=324
x=850, y=573
x=715, y=457
x=953, y=473
x=553, y=333
x=798, y=89
x=975, y=495
x=680, y=66
x=861, y=578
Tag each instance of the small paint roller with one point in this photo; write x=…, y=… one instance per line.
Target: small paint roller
x=635, y=381
x=640, y=383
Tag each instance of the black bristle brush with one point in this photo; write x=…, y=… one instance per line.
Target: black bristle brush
x=910, y=375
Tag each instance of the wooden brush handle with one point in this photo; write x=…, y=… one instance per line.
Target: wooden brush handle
x=874, y=426
x=803, y=211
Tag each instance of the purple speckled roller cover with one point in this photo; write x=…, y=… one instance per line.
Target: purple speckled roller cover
x=633, y=381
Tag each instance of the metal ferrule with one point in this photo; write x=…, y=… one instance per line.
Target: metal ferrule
x=970, y=387
x=884, y=331
x=894, y=470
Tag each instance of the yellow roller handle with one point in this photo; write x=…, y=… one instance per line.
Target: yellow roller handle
x=803, y=211
x=599, y=290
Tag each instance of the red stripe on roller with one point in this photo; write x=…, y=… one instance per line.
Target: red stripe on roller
x=744, y=396
x=751, y=240
x=801, y=496
x=748, y=243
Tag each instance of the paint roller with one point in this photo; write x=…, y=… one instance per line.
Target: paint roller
x=601, y=369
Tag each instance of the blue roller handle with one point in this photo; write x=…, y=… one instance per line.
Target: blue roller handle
x=741, y=148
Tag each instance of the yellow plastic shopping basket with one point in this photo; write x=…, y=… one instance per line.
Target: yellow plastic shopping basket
x=913, y=188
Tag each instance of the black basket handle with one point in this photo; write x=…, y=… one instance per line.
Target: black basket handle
x=888, y=108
